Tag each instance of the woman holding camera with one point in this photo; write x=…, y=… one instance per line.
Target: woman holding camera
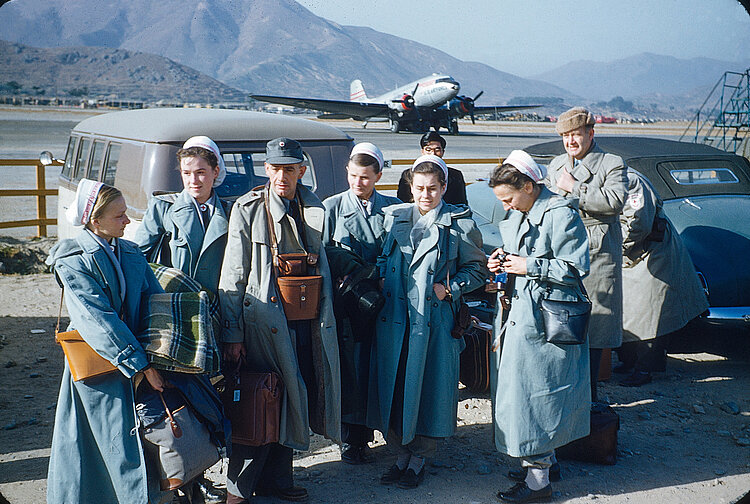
x=541, y=393
x=96, y=451
x=431, y=256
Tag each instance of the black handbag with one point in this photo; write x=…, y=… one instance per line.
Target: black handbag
x=566, y=322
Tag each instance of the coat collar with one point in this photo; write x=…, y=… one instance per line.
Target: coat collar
x=583, y=171
x=403, y=223
x=355, y=220
x=314, y=214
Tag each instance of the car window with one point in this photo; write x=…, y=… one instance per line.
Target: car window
x=70, y=155
x=246, y=170
x=83, y=159
x=704, y=176
x=97, y=156
x=113, y=157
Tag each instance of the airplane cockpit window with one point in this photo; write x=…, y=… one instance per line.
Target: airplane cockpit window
x=444, y=79
x=246, y=170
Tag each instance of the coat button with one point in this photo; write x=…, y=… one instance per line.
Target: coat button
x=512, y=322
x=273, y=299
x=515, y=296
x=382, y=319
x=434, y=304
x=247, y=302
x=274, y=330
x=430, y=272
x=428, y=324
x=429, y=298
x=388, y=294
x=533, y=249
x=393, y=269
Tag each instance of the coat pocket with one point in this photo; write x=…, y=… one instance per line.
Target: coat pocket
x=596, y=237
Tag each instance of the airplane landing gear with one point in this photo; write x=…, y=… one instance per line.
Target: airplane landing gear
x=453, y=127
x=395, y=126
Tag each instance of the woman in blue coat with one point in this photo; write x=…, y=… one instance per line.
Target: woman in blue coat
x=354, y=221
x=432, y=255
x=96, y=452
x=541, y=392
x=188, y=230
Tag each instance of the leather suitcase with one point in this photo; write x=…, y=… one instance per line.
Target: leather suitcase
x=474, y=372
x=600, y=446
x=252, y=402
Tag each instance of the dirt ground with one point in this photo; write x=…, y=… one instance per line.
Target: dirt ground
x=683, y=438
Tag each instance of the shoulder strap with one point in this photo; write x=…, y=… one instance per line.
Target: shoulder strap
x=271, y=231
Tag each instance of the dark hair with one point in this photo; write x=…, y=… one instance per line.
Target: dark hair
x=431, y=136
x=426, y=167
x=507, y=174
x=365, y=161
x=199, y=152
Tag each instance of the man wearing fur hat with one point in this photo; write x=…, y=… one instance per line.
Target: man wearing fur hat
x=599, y=181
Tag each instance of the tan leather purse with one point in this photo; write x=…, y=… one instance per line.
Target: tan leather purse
x=299, y=292
x=83, y=360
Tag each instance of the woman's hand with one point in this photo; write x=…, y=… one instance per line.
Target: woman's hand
x=155, y=379
x=494, y=262
x=440, y=291
x=234, y=351
x=515, y=264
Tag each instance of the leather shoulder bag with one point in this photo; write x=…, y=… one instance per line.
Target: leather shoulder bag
x=566, y=322
x=299, y=292
x=83, y=360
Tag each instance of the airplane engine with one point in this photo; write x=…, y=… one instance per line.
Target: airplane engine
x=462, y=105
x=406, y=103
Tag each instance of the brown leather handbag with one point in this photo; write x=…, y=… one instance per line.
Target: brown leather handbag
x=299, y=292
x=252, y=402
x=83, y=360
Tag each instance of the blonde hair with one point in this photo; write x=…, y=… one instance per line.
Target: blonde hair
x=107, y=194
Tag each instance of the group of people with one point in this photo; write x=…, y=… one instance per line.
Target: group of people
x=342, y=378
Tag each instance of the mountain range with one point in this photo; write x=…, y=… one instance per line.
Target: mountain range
x=279, y=47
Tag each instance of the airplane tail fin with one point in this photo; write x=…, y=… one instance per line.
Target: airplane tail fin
x=357, y=91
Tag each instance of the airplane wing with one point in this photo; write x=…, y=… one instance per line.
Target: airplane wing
x=502, y=108
x=339, y=108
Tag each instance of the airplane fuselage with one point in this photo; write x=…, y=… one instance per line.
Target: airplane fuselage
x=429, y=92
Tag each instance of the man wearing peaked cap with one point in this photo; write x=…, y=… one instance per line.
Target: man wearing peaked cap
x=599, y=181
x=284, y=217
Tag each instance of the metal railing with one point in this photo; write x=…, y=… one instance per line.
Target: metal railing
x=448, y=161
x=41, y=192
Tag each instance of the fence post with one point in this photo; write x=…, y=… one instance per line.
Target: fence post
x=41, y=201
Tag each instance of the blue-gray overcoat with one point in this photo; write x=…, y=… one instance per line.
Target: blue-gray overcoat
x=197, y=253
x=541, y=392
x=348, y=227
x=96, y=449
x=452, y=244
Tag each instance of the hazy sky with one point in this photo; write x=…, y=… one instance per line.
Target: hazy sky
x=525, y=37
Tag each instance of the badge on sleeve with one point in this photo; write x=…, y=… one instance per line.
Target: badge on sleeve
x=635, y=201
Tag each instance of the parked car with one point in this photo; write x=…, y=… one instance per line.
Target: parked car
x=135, y=151
x=706, y=195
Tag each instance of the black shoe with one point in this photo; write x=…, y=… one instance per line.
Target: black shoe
x=410, y=479
x=392, y=475
x=520, y=474
x=356, y=455
x=292, y=494
x=622, y=368
x=637, y=379
x=205, y=491
x=520, y=492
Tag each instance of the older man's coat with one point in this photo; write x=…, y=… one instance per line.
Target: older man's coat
x=601, y=188
x=96, y=452
x=252, y=313
x=541, y=392
x=453, y=244
x=661, y=288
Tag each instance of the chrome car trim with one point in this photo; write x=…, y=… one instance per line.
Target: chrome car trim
x=737, y=313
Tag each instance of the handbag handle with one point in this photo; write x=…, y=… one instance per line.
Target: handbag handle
x=176, y=429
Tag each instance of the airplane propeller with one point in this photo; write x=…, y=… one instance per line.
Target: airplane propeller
x=409, y=103
x=464, y=105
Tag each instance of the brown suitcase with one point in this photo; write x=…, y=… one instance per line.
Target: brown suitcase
x=474, y=372
x=252, y=402
x=600, y=446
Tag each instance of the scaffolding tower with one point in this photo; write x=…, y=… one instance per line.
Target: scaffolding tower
x=723, y=120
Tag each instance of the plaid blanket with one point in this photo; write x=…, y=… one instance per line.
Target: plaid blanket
x=180, y=325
